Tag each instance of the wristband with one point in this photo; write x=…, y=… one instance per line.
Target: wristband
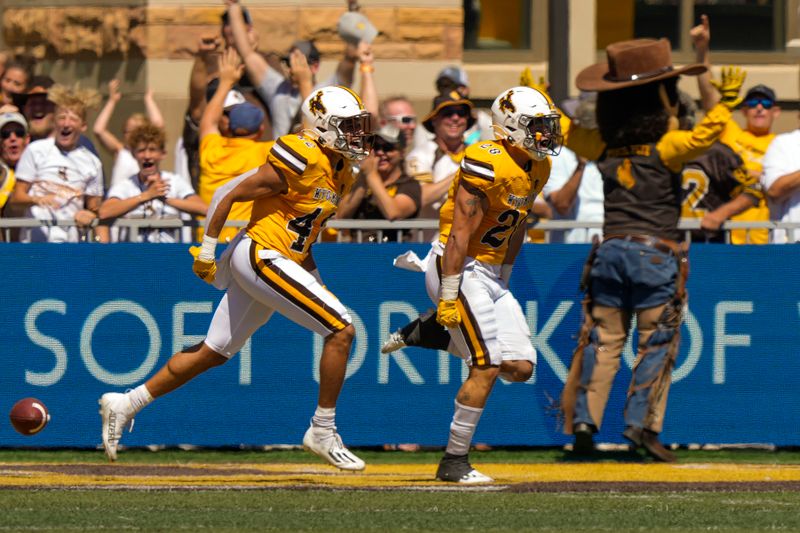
x=208, y=248
x=366, y=68
x=448, y=290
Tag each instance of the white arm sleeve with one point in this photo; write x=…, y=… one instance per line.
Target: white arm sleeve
x=220, y=193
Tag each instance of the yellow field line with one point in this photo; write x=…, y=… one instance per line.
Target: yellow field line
x=382, y=475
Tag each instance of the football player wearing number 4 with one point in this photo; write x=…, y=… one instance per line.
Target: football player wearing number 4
x=268, y=267
x=482, y=227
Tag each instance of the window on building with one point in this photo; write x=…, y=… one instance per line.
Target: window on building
x=497, y=24
x=744, y=24
x=736, y=25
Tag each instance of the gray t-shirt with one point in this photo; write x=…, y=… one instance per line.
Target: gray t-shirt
x=284, y=100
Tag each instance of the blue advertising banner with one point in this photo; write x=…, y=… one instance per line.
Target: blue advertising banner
x=81, y=320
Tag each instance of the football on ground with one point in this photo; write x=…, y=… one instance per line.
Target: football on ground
x=29, y=416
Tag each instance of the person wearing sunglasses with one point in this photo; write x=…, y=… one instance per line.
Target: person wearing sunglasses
x=398, y=112
x=435, y=162
x=751, y=142
x=13, y=140
x=383, y=190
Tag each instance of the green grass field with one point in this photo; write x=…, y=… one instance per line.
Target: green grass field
x=398, y=509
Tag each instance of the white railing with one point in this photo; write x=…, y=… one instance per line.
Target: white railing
x=414, y=230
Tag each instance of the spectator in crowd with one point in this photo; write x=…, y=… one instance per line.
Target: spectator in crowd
x=435, y=163
x=781, y=183
x=187, y=151
x=383, y=191
x=454, y=78
x=228, y=150
x=125, y=164
x=14, y=139
x=270, y=267
x=717, y=186
x=367, y=89
x=398, y=112
x=575, y=188
x=640, y=268
x=39, y=110
x=13, y=83
x=284, y=91
x=227, y=30
x=760, y=111
x=59, y=179
x=151, y=192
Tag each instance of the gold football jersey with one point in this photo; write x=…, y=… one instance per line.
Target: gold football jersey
x=509, y=189
x=290, y=223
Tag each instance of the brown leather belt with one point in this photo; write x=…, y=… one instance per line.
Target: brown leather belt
x=664, y=245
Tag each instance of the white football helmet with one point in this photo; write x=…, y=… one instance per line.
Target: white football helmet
x=336, y=118
x=529, y=120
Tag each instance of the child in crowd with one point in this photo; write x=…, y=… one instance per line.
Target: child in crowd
x=151, y=192
x=125, y=164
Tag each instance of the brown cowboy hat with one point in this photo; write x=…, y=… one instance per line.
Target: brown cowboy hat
x=451, y=99
x=631, y=63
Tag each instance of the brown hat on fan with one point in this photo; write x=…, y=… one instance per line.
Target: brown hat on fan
x=451, y=99
x=631, y=63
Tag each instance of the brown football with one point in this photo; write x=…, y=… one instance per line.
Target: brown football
x=29, y=416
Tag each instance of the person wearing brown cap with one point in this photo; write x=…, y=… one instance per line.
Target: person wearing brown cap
x=435, y=163
x=760, y=109
x=454, y=78
x=640, y=267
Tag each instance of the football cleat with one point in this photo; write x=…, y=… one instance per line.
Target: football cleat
x=456, y=469
x=327, y=444
x=116, y=412
x=394, y=342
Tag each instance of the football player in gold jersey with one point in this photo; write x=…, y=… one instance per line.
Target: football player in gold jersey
x=481, y=230
x=269, y=267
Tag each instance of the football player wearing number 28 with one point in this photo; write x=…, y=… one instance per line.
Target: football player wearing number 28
x=268, y=267
x=481, y=230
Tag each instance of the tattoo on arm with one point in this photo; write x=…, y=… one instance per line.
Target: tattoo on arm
x=475, y=201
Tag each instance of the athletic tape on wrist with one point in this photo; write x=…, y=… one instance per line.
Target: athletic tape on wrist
x=208, y=248
x=448, y=290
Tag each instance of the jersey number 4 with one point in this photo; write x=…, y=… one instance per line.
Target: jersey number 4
x=303, y=226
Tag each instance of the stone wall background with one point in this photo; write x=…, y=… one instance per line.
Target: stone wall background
x=171, y=31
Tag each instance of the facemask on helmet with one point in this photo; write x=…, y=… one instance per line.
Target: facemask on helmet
x=336, y=118
x=527, y=119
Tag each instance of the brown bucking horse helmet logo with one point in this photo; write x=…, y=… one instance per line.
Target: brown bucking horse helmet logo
x=316, y=106
x=506, y=104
